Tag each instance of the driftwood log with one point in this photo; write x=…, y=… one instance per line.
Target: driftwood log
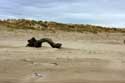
x=38, y=43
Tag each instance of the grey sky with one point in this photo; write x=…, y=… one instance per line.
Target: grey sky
x=100, y=12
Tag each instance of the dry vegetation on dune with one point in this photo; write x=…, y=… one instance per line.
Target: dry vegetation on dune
x=46, y=25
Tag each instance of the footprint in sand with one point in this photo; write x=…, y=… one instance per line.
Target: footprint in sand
x=34, y=77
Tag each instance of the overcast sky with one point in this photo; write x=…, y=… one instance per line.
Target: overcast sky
x=101, y=12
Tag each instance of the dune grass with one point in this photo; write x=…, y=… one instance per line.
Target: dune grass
x=46, y=25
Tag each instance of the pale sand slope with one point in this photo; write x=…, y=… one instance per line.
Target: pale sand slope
x=84, y=58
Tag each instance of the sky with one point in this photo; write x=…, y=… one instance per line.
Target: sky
x=99, y=12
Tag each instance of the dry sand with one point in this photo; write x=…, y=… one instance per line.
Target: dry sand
x=84, y=58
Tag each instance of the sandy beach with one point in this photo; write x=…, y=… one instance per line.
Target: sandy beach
x=83, y=58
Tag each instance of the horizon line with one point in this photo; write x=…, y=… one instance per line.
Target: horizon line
x=101, y=25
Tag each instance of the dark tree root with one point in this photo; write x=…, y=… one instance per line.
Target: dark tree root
x=38, y=43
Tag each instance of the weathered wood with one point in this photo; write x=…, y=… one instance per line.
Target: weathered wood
x=38, y=43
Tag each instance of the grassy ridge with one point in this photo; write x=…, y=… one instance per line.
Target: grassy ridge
x=45, y=25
